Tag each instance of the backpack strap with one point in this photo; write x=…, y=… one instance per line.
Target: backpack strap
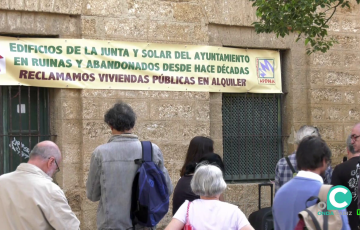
x=146, y=151
x=290, y=165
x=316, y=223
x=324, y=190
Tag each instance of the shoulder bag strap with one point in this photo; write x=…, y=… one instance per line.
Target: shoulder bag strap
x=290, y=165
x=146, y=151
x=187, y=213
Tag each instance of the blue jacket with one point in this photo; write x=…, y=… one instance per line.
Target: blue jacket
x=290, y=200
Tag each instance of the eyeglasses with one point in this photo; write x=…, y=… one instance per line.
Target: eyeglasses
x=57, y=166
x=354, y=137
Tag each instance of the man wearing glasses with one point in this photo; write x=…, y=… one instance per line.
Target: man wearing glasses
x=347, y=174
x=28, y=197
x=355, y=141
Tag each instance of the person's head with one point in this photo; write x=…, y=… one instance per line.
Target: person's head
x=46, y=155
x=208, y=181
x=209, y=158
x=199, y=146
x=313, y=154
x=305, y=131
x=355, y=137
x=349, y=148
x=121, y=118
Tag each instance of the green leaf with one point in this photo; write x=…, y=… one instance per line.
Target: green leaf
x=306, y=17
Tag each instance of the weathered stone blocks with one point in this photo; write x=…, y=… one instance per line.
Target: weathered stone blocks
x=163, y=31
x=173, y=151
x=352, y=60
x=188, y=12
x=153, y=10
x=95, y=130
x=71, y=153
x=188, y=130
x=316, y=78
x=125, y=28
x=46, y=5
x=88, y=26
x=71, y=109
x=349, y=97
x=67, y=6
x=172, y=110
x=31, y=5
x=90, y=108
x=4, y=4
x=331, y=132
x=342, y=78
x=157, y=130
x=318, y=113
x=326, y=95
x=104, y=8
x=71, y=131
x=335, y=113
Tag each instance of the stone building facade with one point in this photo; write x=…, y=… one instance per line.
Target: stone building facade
x=321, y=89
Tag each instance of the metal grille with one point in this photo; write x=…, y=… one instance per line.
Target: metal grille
x=252, y=139
x=24, y=121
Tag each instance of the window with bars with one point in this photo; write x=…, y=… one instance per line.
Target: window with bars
x=252, y=140
x=24, y=121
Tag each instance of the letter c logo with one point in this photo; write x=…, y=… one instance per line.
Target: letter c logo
x=332, y=198
x=339, y=197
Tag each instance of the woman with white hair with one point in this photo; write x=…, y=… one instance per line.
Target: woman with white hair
x=208, y=213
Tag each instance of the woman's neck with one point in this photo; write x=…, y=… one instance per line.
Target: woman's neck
x=209, y=198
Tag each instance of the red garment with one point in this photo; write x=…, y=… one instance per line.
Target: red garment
x=300, y=225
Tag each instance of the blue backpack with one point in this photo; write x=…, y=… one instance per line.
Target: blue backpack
x=150, y=198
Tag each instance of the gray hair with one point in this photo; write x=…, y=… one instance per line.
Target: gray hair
x=208, y=181
x=45, y=151
x=305, y=131
x=349, y=146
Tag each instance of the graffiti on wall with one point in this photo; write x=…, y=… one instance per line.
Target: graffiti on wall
x=19, y=148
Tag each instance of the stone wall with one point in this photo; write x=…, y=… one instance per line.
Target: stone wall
x=321, y=89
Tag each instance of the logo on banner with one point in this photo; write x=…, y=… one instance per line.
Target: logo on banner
x=2, y=65
x=265, y=71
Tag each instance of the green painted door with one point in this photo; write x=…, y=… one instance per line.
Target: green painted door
x=24, y=122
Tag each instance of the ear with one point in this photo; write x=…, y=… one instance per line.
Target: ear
x=50, y=162
x=324, y=163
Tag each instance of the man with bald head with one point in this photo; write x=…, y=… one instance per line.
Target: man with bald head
x=28, y=197
x=355, y=141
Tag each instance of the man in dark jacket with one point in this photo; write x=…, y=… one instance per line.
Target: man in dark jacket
x=347, y=174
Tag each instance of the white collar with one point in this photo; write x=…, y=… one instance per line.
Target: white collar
x=310, y=175
x=30, y=168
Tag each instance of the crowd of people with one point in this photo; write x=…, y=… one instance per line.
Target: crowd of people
x=303, y=173
x=30, y=200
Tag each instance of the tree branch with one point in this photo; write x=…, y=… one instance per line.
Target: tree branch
x=335, y=7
